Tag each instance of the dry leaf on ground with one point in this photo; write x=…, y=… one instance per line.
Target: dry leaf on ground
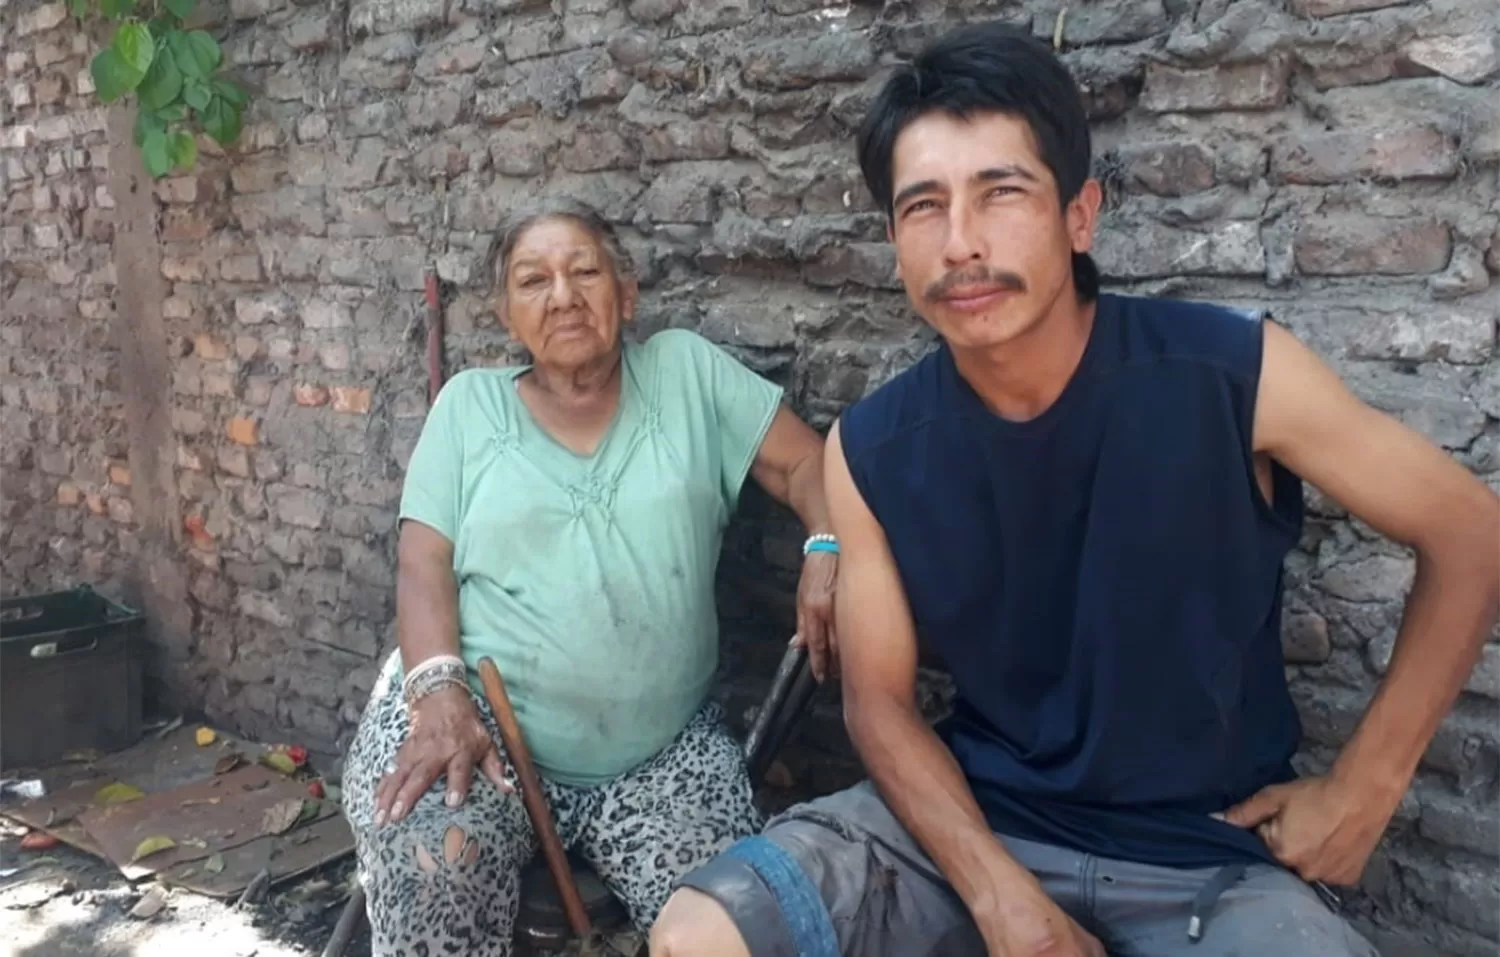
x=150, y=905
x=228, y=762
x=281, y=816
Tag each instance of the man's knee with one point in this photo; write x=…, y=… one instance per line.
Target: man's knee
x=693, y=924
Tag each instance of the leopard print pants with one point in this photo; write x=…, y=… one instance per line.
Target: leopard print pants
x=446, y=881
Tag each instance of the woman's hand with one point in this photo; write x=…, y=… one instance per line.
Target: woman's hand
x=815, y=613
x=447, y=737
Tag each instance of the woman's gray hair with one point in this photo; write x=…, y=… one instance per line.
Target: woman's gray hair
x=515, y=224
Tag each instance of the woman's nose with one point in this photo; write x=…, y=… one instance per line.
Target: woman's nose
x=563, y=293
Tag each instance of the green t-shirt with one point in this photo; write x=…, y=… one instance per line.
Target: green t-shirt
x=590, y=579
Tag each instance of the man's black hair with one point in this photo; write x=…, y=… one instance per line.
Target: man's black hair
x=982, y=68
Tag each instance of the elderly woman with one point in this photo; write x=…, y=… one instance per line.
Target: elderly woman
x=564, y=518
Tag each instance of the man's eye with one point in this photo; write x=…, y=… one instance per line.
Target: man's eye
x=920, y=206
x=1004, y=191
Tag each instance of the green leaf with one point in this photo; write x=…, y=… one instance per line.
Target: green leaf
x=230, y=90
x=134, y=44
x=180, y=7
x=154, y=153
x=116, y=9
x=152, y=845
x=214, y=865
x=197, y=53
x=113, y=77
x=221, y=121
x=117, y=793
x=162, y=83
x=78, y=7
x=145, y=122
x=172, y=113
x=183, y=150
x=195, y=94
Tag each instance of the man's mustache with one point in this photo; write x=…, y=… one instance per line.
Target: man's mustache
x=974, y=276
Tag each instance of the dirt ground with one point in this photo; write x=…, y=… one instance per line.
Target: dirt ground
x=66, y=903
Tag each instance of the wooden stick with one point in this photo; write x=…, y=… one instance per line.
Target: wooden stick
x=536, y=803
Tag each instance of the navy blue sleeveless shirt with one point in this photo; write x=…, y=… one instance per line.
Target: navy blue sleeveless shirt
x=1103, y=582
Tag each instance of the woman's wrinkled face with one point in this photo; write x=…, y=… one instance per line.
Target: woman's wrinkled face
x=562, y=298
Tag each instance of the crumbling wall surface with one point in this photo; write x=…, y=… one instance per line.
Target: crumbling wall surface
x=65, y=479
x=1333, y=160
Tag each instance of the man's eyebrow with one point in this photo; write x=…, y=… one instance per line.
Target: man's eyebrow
x=995, y=173
x=924, y=186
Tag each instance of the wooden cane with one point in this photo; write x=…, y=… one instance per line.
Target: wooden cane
x=536, y=802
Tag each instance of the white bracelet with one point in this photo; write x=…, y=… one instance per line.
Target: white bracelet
x=430, y=664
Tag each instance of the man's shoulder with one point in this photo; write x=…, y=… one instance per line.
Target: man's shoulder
x=905, y=403
x=1220, y=334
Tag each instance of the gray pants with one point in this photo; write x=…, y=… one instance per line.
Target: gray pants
x=841, y=876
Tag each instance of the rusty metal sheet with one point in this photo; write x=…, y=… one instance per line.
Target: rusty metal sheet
x=203, y=818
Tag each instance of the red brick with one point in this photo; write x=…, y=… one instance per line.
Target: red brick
x=186, y=224
x=95, y=503
x=119, y=475
x=1241, y=86
x=68, y=494
x=242, y=431
x=310, y=395
x=1356, y=245
x=208, y=347
x=351, y=399
x=1388, y=154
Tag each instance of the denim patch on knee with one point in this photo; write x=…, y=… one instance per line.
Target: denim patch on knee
x=801, y=904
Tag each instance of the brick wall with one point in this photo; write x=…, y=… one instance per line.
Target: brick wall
x=1336, y=160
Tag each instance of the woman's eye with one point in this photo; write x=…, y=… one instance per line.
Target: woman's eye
x=531, y=282
x=589, y=271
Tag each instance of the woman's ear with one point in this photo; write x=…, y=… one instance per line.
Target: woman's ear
x=630, y=296
x=502, y=314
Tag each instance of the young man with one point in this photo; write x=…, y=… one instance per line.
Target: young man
x=1082, y=503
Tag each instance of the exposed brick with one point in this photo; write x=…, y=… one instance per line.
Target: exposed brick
x=310, y=395
x=1242, y=86
x=120, y=510
x=1304, y=638
x=1470, y=58
x=1139, y=250
x=1368, y=153
x=1451, y=334
x=242, y=431
x=350, y=399
x=119, y=475
x=803, y=62
x=1168, y=169
x=68, y=494
x=40, y=18
x=1354, y=245
x=208, y=347
x=1332, y=8
x=303, y=508
x=234, y=460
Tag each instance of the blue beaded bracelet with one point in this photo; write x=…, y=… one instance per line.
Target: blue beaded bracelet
x=820, y=543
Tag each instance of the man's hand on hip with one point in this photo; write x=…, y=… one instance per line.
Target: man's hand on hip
x=1322, y=827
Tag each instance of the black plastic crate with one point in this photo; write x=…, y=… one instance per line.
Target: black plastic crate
x=70, y=676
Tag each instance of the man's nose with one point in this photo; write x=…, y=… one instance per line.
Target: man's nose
x=965, y=241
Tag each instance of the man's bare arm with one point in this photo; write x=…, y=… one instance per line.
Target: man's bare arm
x=1406, y=488
x=910, y=766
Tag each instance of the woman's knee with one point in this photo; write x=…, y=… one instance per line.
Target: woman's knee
x=692, y=924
